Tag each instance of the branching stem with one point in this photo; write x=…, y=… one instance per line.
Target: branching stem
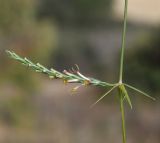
x=121, y=70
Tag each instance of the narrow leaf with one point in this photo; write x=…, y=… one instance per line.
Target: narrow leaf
x=102, y=96
x=126, y=96
x=143, y=93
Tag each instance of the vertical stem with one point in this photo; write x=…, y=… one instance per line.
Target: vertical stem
x=123, y=119
x=123, y=41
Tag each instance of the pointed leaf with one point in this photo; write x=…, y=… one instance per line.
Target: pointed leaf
x=103, y=96
x=126, y=96
x=143, y=93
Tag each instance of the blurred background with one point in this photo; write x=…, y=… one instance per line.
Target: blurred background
x=59, y=34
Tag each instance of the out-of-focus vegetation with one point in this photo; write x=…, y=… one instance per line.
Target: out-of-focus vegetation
x=79, y=12
x=20, y=31
x=143, y=61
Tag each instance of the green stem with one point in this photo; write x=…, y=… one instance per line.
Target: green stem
x=123, y=119
x=123, y=41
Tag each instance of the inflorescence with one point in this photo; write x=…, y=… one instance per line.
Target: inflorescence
x=68, y=76
x=75, y=76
